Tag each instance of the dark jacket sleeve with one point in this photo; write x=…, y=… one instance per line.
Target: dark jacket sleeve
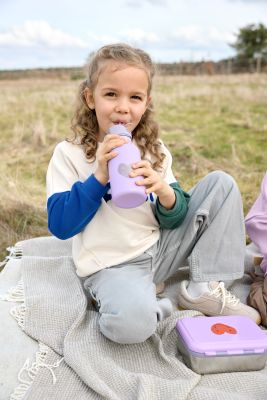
x=171, y=219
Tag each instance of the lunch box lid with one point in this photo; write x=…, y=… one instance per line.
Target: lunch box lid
x=222, y=335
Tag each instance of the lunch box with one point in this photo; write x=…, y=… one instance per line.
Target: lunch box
x=221, y=344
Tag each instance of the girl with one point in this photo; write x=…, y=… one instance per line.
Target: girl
x=121, y=254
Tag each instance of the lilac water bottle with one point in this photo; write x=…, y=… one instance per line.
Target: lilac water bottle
x=125, y=193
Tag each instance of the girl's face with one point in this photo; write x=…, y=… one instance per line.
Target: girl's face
x=120, y=96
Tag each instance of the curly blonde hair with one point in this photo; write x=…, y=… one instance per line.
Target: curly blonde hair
x=84, y=122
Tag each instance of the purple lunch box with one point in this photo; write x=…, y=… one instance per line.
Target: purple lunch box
x=221, y=344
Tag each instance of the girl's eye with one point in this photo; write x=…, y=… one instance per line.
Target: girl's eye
x=137, y=97
x=110, y=94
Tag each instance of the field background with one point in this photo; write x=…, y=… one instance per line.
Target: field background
x=208, y=123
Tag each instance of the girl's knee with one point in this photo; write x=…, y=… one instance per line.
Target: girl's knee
x=129, y=325
x=222, y=178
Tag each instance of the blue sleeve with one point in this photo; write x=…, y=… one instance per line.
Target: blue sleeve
x=69, y=212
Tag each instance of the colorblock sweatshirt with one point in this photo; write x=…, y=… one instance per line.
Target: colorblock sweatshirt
x=104, y=235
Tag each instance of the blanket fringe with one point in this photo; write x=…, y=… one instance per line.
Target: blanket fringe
x=14, y=252
x=18, y=312
x=28, y=372
x=15, y=294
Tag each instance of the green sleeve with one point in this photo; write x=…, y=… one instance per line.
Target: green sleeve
x=171, y=219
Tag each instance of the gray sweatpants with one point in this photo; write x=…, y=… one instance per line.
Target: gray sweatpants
x=211, y=239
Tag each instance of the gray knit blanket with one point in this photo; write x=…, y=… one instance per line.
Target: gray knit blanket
x=86, y=365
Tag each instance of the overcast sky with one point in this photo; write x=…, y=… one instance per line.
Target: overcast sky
x=54, y=33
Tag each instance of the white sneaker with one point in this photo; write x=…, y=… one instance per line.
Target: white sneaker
x=218, y=301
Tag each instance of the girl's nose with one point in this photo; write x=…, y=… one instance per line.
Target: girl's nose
x=122, y=106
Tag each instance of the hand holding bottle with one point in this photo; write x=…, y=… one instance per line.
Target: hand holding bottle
x=154, y=183
x=106, y=152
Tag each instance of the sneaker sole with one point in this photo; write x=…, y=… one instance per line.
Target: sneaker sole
x=179, y=308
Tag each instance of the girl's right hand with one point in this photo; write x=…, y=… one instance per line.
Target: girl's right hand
x=106, y=152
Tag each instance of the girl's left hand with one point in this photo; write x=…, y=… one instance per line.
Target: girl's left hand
x=153, y=183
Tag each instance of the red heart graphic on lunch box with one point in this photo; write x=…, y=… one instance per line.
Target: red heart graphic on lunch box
x=220, y=329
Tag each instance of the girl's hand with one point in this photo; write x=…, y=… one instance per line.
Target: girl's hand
x=153, y=183
x=105, y=153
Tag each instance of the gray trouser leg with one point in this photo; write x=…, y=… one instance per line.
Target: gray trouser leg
x=126, y=299
x=212, y=235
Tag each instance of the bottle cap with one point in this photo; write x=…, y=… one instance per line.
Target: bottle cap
x=120, y=129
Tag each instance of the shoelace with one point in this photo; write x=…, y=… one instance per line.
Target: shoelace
x=225, y=295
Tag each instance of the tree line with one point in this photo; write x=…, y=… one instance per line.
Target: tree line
x=251, y=56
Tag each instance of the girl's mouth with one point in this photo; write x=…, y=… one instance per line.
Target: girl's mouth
x=120, y=122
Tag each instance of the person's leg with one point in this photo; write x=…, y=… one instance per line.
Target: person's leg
x=126, y=300
x=212, y=238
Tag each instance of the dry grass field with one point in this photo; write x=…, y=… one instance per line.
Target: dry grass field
x=208, y=122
